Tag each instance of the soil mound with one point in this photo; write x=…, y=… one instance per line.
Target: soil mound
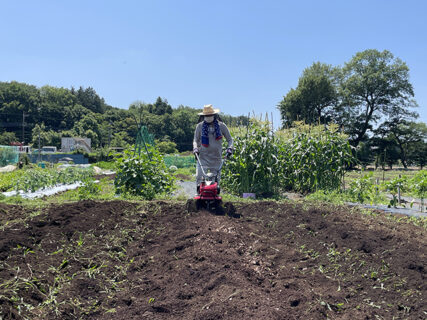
x=152, y=260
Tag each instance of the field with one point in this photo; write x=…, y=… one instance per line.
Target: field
x=379, y=174
x=152, y=260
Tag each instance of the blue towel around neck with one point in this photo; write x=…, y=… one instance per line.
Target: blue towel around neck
x=205, y=132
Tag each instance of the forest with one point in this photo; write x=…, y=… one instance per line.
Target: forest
x=27, y=111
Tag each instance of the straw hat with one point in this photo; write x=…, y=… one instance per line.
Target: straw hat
x=208, y=110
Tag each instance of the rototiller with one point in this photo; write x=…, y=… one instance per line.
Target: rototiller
x=208, y=193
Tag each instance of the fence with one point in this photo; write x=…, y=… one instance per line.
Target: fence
x=55, y=157
x=8, y=155
x=179, y=161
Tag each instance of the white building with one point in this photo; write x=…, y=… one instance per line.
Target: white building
x=71, y=144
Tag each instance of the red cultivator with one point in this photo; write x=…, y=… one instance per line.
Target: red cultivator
x=208, y=194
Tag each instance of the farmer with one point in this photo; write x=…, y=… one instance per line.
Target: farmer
x=207, y=142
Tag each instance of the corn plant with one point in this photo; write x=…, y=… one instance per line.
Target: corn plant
x=303, y=158
x=255, y=165
x=314, y=157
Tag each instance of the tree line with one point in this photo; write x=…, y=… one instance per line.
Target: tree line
x=28, y=112
x=372, y=100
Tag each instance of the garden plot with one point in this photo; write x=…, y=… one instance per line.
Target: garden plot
x=46, y=191
x=36, y=183
x=151, y=260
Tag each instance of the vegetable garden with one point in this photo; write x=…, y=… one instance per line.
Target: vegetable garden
x=124, y=248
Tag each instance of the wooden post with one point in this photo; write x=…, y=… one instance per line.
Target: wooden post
x=398, y=190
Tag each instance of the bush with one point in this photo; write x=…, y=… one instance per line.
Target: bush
x=419, y=184
x=393, y=187
x=364, y=190
x=89, y=189
x=24, y=159
x=142, y=175
x=166, y=147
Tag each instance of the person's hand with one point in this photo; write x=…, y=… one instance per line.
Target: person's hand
x=196, y=151
x=229, y=152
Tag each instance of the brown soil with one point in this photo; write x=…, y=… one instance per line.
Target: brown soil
x=152, y=260
x=10, y=213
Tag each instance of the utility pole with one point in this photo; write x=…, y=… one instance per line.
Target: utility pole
x=23, y=127
x=109, y=135
x=39, y=157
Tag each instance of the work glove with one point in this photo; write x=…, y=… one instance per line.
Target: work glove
x=196, y=151
x=229, y=152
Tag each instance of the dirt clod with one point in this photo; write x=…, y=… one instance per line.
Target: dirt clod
x=153, y=260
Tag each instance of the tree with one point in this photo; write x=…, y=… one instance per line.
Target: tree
x=185, y=120
x=55, y=102
x=161, y=107
x=409, y=137
x=39, y=130
x=88, y=127
x=89, y=99
x=18, y=101
x=120, y=139
x=314, y=98
x=375, y=86
x=47, y=137
x=6, y=138
x=417, y=153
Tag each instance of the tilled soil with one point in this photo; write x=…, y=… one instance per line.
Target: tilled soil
x=152, y=260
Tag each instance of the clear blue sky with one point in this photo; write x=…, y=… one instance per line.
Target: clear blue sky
x=240, y=56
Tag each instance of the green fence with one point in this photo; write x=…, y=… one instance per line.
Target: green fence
x=8, y=155
x=143, y=138
x=180, y=161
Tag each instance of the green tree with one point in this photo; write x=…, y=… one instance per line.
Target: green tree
x=6, y=138
x=88, y=127
x=417, y=153
x=375, y=86
x=185, y=120
x=407, y=135
x=19, y=101
x=89, y=99
x=314, y=98
x=39, y=131
x=161, y=107
x=54, y=101
x=120, y=139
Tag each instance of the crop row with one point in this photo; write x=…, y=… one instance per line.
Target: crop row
x=37, y=178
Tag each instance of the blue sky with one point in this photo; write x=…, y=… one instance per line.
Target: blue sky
x=241, y=56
